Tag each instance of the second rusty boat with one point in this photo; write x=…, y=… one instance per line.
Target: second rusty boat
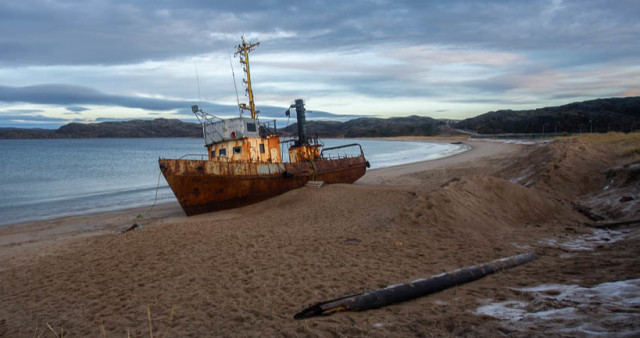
x=244, y=162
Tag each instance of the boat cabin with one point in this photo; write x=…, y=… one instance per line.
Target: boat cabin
x=241, y=139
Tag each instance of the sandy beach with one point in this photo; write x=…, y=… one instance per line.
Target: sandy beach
x=247, y=271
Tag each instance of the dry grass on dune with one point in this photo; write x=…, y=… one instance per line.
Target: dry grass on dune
x=618, y=139
x=625, y=145
x=617, y=197
x=574, y=167
x=591, y=171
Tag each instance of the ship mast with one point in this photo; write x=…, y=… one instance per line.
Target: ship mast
x=243, y=50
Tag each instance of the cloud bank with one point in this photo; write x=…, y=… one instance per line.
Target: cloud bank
x=449, y=59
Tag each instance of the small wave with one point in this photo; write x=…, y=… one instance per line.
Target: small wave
x=88, y=195
x=424, y=152
x=85, y=204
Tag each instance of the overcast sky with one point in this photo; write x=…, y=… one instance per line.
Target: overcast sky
x=99, y=60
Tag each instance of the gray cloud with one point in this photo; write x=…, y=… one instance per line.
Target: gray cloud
x=26, y=118
x=57, y=94
x=20, y=112
x=77, y=109
x=60, y=94
x=107, y=32
x=435, y=49
x=33, y=118
x=266, y=113
x=111, y=119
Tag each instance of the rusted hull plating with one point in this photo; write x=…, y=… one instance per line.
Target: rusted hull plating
x=204, y=186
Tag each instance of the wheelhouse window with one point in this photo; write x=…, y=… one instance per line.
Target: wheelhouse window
x=237, y=150
x=222, y=152
x=251, y=127
x=261, y=148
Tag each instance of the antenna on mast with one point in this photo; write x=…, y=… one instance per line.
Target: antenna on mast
x=243, y=50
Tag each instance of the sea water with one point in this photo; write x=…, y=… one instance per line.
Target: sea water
x=44, y=179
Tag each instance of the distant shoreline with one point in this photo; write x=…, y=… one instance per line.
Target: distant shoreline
x=592, y=116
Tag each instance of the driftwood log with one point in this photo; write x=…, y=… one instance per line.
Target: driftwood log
x=418, y=288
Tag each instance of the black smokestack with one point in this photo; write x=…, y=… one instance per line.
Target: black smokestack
x=302, y=120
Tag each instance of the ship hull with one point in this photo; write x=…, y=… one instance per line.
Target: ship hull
x=205, y=186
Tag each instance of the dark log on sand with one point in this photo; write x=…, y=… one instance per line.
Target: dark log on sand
x=418, y=288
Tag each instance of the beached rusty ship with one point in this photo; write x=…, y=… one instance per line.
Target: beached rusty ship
x=244, y=161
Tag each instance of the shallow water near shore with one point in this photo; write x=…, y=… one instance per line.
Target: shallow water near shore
x=43, y=179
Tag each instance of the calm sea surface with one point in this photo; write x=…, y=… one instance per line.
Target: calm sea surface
x=42, y=179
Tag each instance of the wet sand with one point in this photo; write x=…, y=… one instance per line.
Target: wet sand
x=247, y=271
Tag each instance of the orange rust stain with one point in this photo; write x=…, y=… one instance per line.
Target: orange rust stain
x=304, y=153
x=250, y=149
x=203, y=186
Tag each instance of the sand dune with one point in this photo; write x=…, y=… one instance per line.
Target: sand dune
x=246, y=271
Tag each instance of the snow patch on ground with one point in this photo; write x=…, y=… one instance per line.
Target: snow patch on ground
x=509, y=310
x=606, y=309
x=586, y=242
x=622, y=294
x=525, y=174
x=519, y=246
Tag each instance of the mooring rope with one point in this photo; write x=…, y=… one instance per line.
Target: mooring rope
x=155, y=200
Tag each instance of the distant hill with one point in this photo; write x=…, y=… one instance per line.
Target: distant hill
x=612, y=114
x=128, y=129
x=134, y=128
x=18, y=133
x=362, y=127
x=375, y=127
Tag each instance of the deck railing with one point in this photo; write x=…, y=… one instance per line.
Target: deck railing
x=202, y=156
x=343, y=155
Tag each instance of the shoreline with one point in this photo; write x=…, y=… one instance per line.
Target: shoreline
x=142, y=209
x=477, y=149
x=108, y=222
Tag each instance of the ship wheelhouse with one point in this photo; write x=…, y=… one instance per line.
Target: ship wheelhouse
x=242, y=139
